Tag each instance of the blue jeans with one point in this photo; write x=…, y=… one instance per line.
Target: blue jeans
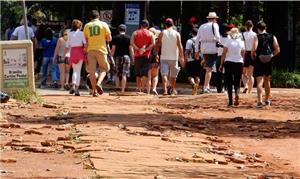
x=53, y=68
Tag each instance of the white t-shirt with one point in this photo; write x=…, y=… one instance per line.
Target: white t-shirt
x=207, y=38
x=249, y=39
x=75, y=39
x=169, y=49
x=222, y=41
x=189, y=46
x=20, y=33
x=234, y=46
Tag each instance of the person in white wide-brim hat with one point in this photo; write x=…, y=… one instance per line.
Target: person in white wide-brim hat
x=212, y=15
x=209, y=36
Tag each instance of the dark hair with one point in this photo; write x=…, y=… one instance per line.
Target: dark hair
x=261, y=26
x=94, y=14
x=248, y=24
x=194, y=31
x=224, y=29
x=49, y=34
x=76, y=24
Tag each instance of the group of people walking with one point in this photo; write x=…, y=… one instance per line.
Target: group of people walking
x=236, y=56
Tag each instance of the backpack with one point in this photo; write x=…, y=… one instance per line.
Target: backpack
x=193, y=48
x=265, y=47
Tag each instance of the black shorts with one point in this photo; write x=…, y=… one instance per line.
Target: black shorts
x=193, y=68
x=142, y=65
x=248, y=60
x=262, y=69
x=210, y=59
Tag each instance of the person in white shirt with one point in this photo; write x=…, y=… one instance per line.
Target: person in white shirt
x=19, y=33
x=76, y=42
x=171, y=52
x=233, y=59
x=209, y=36
x=247, y=78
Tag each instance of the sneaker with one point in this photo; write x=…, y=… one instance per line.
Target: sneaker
x=154, y=92
x=259, y=105
x=174, y=93
x=72, y=91
x=268, y=102
x=99, y=89
x=77, y=93
x=206, y=90
x=54, y=85
x=236, y=101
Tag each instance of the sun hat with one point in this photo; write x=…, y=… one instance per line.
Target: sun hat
x=212, y=15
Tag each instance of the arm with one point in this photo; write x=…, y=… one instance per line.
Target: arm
x=276, y=46
x=132, y=42
x=113, y=50
x=225, y=49
x=158, y=43
x=254, y=47
x=108, y=36
x=180, y=48
x=56, y=49
x=197, y=55
x=131, y=51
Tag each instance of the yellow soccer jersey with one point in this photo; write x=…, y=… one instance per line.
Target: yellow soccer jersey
x=95, y=33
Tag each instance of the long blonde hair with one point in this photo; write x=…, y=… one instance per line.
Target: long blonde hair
x=234, y=33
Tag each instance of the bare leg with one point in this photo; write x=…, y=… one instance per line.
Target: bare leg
x=164, y=84
x=245, y=77
x=67, y=67
x=267, y=87
x=173, y=83
x=191, y=80
x=251, y=79
x=124, y=80
x=207, y=77
x=155, y=79
x=260, y=81
x=138, y=84
x=117, y=81
x=62, y=75
x=101, y=77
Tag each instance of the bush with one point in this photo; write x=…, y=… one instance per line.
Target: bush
x=26, y=95
x=284, y=79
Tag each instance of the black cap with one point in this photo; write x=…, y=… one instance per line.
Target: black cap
x=145, y=23
x=122, y=27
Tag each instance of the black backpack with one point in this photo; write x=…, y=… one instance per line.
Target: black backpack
x=193, y=48
x=265, y=44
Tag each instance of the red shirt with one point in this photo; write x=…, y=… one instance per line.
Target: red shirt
x=142, y=39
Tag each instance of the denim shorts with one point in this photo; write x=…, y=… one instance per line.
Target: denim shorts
x=169, y=67
x=59, y=60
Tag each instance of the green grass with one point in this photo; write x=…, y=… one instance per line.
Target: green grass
x=26, y=95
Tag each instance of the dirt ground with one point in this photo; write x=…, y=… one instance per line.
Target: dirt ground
x=151, y=137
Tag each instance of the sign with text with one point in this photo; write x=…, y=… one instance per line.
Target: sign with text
x=106, y=16
x=16, y=66
x=132, y=14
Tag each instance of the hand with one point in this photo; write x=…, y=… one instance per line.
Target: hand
x=156, y=58
x=54, y=60
x=252, y=54
x=197, y=55
x=221, y=68
x=202, y=62
x=181, y=61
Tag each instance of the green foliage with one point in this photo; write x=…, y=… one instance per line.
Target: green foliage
x=238, y=20
x=284, y=79
x=26, y=95
x=11, y=12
